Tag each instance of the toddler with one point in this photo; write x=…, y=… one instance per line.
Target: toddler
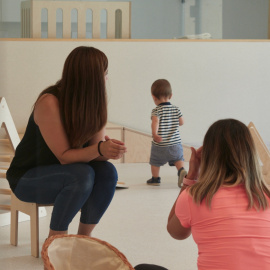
x=166, y=144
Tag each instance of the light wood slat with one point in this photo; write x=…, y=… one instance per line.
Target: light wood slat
x=5, y=207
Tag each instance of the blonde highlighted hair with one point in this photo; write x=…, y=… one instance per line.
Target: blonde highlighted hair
x=229, y=157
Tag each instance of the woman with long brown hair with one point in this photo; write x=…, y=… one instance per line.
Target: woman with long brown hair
x=62, y=158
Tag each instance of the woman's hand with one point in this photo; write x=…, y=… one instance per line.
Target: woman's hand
x=112, y=149
x=194, y=163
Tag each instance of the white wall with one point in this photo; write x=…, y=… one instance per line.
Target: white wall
x=210, y=80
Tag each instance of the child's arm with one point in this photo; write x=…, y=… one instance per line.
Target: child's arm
x=155, y=125
x=181, y=121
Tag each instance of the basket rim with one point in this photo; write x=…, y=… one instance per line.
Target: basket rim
x=45, y=257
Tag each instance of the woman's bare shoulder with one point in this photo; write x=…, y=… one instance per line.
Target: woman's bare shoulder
x=47, y=100
x=46, y=106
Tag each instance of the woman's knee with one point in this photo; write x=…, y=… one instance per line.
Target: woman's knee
x=105, y=170
x=111, y=174
x=111, y=170
x=81, y=175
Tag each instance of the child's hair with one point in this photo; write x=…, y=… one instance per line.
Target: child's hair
x=161, y=88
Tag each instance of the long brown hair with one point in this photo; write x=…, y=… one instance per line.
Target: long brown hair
x=82, y=94
x=229, y=157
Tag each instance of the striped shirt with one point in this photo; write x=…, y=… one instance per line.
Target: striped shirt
x=168, y=129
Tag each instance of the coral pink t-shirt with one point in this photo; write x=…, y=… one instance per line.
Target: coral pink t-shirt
x=229, y=237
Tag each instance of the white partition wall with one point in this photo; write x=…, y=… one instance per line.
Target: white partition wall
x=210, y=80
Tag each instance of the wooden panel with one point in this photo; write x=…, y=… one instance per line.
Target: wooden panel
x=5, y=147
x=25, y=19
x=115, y=133
x=139, y=146
x=111, y=24
x=263, y=152
x=35, y=24
x=66, y=22
x=96, y=23
x=81, y=22
x=51, y=24
x=126, y=25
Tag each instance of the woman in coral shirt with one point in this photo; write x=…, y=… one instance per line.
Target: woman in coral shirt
x=224, y=202
x=227, y=209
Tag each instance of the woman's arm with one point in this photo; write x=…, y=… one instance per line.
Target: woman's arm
x=47, y=117
x=174, y=226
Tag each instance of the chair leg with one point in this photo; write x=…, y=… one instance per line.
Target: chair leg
x=14, y=227
x=34, y=232
x=30, y=209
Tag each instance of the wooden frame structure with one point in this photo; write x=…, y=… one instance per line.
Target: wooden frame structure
x=7, y=146
x=34, y=210
x=118, y=18
x=263, y=152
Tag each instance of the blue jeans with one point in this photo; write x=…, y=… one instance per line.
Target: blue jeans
x=71, y=187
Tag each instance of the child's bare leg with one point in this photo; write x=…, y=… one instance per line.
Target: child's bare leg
x=155, y=179
x=179, y=164
x=155, y=171
x=181, y=171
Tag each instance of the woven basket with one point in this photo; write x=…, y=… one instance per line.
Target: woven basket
x=79, y=252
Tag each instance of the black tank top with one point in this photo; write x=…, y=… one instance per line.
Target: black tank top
x=31, y=152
